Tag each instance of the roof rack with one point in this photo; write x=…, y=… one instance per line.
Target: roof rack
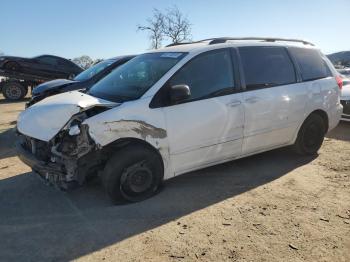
x=183, y=43
x=220, y=40
x=266, y=39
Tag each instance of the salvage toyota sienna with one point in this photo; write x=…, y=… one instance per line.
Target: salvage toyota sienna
x=182, y=108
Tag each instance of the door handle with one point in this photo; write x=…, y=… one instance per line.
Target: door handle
x=234, y=103
x=252, y=100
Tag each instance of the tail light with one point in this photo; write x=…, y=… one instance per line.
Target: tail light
x=339, y=82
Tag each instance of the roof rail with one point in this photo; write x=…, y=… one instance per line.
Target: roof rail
x=183, y=43
x=220, y=40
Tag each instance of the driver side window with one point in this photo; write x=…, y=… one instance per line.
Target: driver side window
x=207, y=75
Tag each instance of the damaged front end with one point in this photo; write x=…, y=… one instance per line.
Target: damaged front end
x=55, y=141
x=64, y=160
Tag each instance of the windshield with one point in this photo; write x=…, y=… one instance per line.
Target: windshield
x=131, y=80
x=88, y=73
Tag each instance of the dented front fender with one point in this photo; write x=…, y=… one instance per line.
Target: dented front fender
x=132, y=120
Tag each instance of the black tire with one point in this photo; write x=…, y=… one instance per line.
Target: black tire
x=14, y=91
x=12, y=66
x=310, y=136
x=134, y=173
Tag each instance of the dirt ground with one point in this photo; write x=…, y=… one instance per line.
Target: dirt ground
x=275, y=206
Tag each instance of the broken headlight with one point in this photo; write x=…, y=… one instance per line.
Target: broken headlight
x=74, y=130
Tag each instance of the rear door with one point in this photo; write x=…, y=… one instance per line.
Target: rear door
x=268, y=73
x=208, y=127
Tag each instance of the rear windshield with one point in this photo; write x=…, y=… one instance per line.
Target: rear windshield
x=311, y=64
x=131, y=80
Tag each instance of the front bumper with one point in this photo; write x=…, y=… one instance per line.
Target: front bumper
x=53, y=173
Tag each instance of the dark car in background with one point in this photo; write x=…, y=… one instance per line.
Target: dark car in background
x=44, y=65
x=344, y=72
x=84, y=80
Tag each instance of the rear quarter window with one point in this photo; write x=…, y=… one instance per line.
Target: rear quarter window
x=312, y=65
x=266, y=67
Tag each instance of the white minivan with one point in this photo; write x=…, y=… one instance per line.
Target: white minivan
x=182, y=108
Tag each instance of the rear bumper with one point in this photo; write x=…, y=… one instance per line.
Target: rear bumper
x=334, y=116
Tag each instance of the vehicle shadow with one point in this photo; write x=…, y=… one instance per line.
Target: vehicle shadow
x=6, y=101
x=38, y=222
x=7, y=144
x=341, y=132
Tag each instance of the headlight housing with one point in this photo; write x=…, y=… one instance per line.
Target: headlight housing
x=74, y=130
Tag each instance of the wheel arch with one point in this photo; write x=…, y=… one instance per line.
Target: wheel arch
x=123, y=143
x=323, y=114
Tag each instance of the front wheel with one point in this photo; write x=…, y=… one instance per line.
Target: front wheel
x=310, y=136
x=134, y=173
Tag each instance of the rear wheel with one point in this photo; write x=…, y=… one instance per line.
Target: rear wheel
x=14, y=91
x=133, y=174
x=311, y=135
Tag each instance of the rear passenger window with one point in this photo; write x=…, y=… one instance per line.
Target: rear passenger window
x=209, y=74
x=311, y=64
x=266, y=67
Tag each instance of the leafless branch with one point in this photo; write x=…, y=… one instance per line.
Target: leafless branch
x=155, y=28
x=176, y=26
x=172, y=25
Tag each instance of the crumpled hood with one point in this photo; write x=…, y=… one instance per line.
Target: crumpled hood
x=46, y=118
x=345, y=92
x=54, y=84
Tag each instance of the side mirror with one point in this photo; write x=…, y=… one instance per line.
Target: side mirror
x=179, y=93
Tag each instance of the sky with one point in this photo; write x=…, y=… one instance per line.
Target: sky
x=107, y=28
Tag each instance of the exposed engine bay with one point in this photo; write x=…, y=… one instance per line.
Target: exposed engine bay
x=65, y=158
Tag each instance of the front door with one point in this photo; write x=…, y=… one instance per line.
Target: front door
x=207, y=127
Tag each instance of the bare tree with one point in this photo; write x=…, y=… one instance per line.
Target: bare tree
x=172, y=25
x=83, y=61
x=176, y=26
x=98, y=60
x=155, y=26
